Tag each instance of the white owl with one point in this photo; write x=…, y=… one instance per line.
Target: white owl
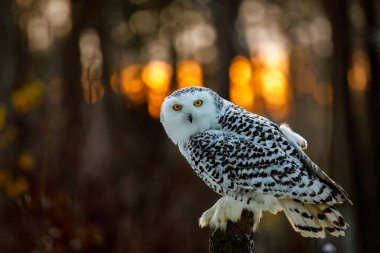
x=253, y=163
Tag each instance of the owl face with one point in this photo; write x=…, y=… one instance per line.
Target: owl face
x=188, y=111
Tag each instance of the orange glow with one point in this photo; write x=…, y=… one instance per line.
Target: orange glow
x=275, y=92
x=270, y=71
x=274, y=87
x=189, y=73
x=131, y=83
x=240, y=70
x=157, y=76
x=359, y=74
x=93, y=90
x=115, y=83
x=241, y=90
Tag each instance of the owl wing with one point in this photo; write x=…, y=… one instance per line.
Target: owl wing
x=266, y=133
x=234, y=163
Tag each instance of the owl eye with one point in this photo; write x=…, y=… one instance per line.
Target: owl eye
x=177, y=107
x=198, y=103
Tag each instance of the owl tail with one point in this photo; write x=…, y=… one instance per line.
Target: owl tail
x=312, y=220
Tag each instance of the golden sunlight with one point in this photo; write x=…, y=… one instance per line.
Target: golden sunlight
x=241, y=90
x=272, y=74
x=157, y=76
x=189, y=73
x=131, y=83
x=274, y=87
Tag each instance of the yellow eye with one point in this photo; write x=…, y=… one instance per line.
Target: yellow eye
x=198, y=103
x=177, y=107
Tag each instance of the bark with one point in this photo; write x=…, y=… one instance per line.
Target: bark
x=238, y=237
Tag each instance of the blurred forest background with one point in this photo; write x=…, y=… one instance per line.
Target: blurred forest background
x=85, y=165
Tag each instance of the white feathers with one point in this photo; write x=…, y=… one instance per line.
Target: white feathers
x=178, y=125
x=313, y=220
x=226, y=208
x=295, y=138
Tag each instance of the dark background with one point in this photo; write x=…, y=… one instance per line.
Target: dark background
x=85, y=165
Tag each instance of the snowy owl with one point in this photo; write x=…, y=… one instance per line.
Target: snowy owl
x=253, y=163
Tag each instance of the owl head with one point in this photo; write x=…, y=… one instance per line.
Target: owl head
x=189, y=111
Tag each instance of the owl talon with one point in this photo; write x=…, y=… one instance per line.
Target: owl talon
x=218, y=215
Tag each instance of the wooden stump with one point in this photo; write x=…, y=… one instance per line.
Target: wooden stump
x=238, y=237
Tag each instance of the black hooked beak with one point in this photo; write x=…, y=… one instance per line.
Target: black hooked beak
x=189, y=117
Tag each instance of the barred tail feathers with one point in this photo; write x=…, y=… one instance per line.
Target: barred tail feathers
x=313, y=220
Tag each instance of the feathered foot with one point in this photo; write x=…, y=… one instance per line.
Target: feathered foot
x=218, y=215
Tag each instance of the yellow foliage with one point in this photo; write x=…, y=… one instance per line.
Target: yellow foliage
x=28, y=97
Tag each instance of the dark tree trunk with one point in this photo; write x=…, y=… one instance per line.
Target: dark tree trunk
x=223, y=14
x=238, y=237
x=355, y=123
x=368, y=215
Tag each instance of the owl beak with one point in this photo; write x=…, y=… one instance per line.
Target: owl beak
x=189, y=117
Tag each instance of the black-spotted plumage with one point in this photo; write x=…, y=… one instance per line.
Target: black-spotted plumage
x=254, y=150
x=251, y=160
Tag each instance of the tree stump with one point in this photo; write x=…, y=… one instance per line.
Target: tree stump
x=238, y=237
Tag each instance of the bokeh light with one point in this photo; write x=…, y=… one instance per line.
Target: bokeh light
x=157, y=76
x=189, y=73
x=359, y=73
x=132, y=85
x=92, y=66
x=241, y=90
x=39, y=35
